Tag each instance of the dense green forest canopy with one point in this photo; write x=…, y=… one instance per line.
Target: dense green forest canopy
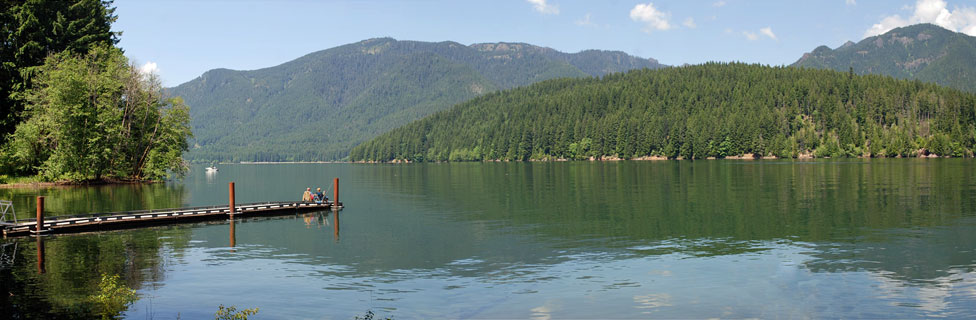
x=75, y=109
x=31, y=30
x=319, y=106
x=924, y=51
x=711, y=110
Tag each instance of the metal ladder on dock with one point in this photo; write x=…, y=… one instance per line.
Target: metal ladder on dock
x=7, y=207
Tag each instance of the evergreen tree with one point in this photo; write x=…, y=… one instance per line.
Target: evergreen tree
x=694, y=112
x=33, y=29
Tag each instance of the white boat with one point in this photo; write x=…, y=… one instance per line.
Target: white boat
x=212, y=169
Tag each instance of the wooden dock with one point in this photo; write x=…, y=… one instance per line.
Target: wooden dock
x=132, y=219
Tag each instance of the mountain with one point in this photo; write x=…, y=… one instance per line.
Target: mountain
x=924, y=51
x=712, y=110
x=319, y=106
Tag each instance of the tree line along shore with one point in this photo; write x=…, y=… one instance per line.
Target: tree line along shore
x=714, y=110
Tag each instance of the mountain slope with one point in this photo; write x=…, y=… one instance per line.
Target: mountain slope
x=925, y=52
x=711, y=110
x=319, y=106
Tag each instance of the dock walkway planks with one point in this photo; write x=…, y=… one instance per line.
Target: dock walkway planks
x=129, y=219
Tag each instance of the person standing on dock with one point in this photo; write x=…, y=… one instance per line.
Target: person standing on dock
x=307, y=196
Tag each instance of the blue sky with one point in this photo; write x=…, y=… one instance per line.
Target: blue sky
x=182, y=39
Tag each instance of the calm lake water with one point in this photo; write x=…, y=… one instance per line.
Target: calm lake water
x=882, y=238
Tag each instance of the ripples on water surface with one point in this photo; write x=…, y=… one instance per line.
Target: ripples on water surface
x=889, y=238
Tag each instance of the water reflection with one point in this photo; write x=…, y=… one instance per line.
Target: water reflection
x=40, y=254
x=73, y=200
x=913, y=257
x=321, y=218
x=55, y=276
x=740, y=200
x=8, y=251
x=233, y=235
x=869, y=239
x=211, y=176
x=335, y=224
x=316, y=220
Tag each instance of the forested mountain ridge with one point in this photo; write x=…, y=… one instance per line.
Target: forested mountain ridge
x=693, y=112
x=924, y=51
x=319, y=106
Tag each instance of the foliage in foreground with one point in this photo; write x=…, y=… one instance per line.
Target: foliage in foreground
x=711, y=110
x=94, y=116
x=113, y=297
x=231, y=313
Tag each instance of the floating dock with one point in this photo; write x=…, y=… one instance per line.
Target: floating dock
x=133, y=219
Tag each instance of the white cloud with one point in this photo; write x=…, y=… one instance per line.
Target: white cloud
x=754, y=36
x=767, y=31
x=886, y=25
x=543, y=7
x=967, y=14
x=651, y=17
x=961, y=19
x=851, y=2
x=585, y=22
x=689, y=23
x=932, y=11
x=719, y=3
x=149, y=68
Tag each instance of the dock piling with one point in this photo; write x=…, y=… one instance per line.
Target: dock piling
x=231, y=187
x=335, y=195
x=40, y=215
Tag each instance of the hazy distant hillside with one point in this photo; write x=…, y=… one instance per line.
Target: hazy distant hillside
x=319, y=106
x=925, y=52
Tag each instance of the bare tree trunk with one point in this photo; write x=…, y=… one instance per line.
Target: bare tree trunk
x=142, y=160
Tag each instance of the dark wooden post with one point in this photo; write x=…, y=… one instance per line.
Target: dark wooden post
x=335, y=196
x=231, y=187
x=40, y=214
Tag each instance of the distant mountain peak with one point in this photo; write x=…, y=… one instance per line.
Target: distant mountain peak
x=335, y=98
x=821, y=49
x=925, y=52
x=511, y=47
x=921, y=28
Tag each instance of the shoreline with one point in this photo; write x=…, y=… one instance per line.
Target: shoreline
x=284, y=162
x=65, y=184
x=747, y=157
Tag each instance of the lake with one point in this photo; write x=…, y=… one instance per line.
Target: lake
x=853, y=238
